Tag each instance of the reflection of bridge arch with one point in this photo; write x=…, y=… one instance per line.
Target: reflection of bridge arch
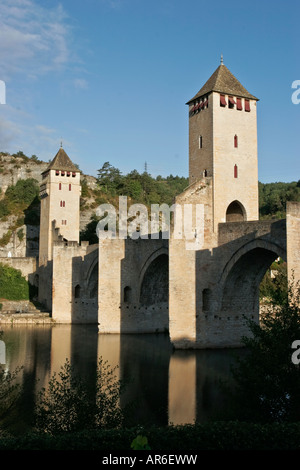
x=243, y=274
x=154, y=278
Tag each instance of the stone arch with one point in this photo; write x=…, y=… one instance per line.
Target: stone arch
x=154, y=286
x=236, y=212
x=92, y=281
x=242, y=276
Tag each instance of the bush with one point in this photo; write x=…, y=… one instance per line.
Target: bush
x=13, y=286
x=68, y=405
x=267, y=382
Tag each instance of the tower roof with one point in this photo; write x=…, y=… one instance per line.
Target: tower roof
x=223, y=81
x=61, y=161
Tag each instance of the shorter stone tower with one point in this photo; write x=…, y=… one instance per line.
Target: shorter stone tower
x=60, y=197
x=59, y=218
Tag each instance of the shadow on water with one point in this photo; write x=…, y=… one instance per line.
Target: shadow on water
x=165, y=385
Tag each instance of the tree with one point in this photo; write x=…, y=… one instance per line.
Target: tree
x=109, y=178
x=266, y=381
x=10, y=391
x=69, y=406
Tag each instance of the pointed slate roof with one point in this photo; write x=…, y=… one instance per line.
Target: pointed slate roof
x=61, y=161
x=223, y=81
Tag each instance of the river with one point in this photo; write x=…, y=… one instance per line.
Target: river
x=167, y=386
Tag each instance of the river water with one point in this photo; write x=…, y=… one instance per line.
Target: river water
x=168, y=386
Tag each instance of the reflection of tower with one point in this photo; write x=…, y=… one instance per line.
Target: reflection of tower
x=223, y=146
x=182, y=388
x=60, y=196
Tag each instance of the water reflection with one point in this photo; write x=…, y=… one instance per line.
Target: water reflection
x=167, y=386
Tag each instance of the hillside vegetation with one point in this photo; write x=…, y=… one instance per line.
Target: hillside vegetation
x=22, y=199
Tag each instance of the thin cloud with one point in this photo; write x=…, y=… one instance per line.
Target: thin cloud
x=34, y=40
x=80, y=83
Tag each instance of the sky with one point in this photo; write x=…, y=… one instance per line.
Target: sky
x=109, y=79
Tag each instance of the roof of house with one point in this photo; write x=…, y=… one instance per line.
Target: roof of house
x=61, y=161
x=223, y=81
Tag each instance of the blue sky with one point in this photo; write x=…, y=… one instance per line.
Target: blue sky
x=110, y=78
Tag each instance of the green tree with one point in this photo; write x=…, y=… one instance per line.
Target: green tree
x=109, y=178
x=69, y=406
x=10, y=391
x=13, y=286
x=266, y=381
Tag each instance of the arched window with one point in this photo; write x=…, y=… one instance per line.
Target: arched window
x=235, y=141
x=235, y=171
x=205, y=300
x=77, y=292
x=127, y=294
x=235, y=212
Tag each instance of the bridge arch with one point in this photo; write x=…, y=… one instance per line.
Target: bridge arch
x=242, y=275
x=92, y=278
x=154, y=279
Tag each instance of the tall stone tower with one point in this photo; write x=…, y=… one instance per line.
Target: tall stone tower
x=60, y=197
x=223, y=146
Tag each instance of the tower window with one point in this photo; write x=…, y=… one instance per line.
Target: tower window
x=68, y=173
x=239, y=105
x=62, y=203
x=57, y=172
x=70, y=187
x=73, y=175
x=236, y=141
x=59, y=186
x=62, y=173
x=247, y=105
x=231, y=102
x=200, y=141
x=235, y=171
x=222, y=100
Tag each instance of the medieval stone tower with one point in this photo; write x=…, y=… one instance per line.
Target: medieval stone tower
x=223, y=146
x=60, y=196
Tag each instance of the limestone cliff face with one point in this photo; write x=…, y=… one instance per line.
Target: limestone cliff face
x=23, y=241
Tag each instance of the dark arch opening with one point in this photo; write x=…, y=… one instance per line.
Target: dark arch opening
x=93, y=283
x=77, y=291
x=155, y=284
x=206, y=300
x=241, y=289
x=235, y=212
x=127, y=294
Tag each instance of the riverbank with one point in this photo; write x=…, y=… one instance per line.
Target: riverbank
x=23, y=312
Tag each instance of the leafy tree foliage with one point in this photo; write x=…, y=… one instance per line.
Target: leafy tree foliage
x=273, y=198
x=10, y=391
x=267, y=382
x=68, y=405
x=13, y=286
